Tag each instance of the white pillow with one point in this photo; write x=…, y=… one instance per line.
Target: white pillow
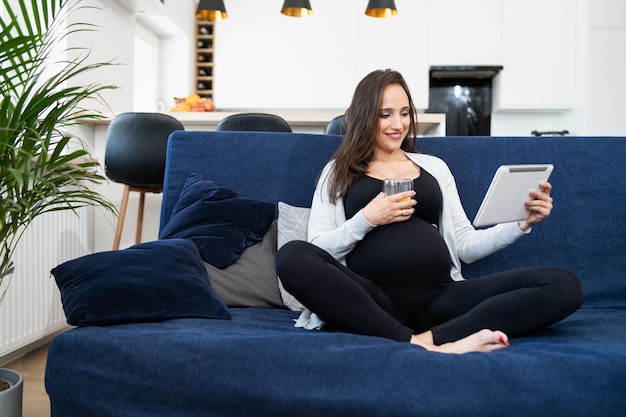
x=292, y=225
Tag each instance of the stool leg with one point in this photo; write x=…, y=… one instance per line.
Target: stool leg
x=142, y=203
x=120, y=219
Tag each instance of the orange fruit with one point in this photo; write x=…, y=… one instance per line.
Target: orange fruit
x=208, y=105
x=192, y=99
x=181, y=107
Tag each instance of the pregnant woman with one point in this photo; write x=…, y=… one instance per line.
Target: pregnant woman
x=390, y=266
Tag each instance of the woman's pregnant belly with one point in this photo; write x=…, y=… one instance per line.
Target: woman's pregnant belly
x=409, y=255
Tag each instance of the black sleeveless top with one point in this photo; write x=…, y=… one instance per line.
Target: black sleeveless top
x=391, y=253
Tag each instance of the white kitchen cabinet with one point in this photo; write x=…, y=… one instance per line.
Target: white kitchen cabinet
x=282, y=62
x=318, y=57
x=538, y=39
x=400, y=43
x=266, y=60
x=249, y=58
x=464, y=32
x=316, y=62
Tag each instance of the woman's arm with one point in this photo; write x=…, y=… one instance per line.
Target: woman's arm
x=473, y=244
x=328, y=228
x=465, y=242
x=476, y=244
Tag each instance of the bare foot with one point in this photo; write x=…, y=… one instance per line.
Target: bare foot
x=481, y=341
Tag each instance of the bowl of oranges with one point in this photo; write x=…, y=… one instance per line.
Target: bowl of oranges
x=193, y=102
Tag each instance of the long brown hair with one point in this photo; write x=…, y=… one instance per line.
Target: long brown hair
x=361, y=120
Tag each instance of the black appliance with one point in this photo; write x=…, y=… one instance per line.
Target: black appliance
x=464, y=94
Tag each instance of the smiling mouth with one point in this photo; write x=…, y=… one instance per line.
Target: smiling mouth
x=397, y=135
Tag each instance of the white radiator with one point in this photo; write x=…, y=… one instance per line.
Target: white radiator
x=32, y=307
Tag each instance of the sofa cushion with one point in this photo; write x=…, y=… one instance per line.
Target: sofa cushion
x=292, y=225
x=219, y=222
x=148, y=282
x=251, y=280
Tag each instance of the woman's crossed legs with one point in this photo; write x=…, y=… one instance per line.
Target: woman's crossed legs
x=466, y=316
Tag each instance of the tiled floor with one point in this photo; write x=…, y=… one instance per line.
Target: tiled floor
x=32, y=366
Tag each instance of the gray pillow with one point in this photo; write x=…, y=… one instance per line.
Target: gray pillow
x=251, y=280
x=292, y=225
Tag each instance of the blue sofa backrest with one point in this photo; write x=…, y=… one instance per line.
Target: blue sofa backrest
x=264, y=166
x=585, y=232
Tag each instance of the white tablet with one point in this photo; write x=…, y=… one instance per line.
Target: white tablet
x=504, y=201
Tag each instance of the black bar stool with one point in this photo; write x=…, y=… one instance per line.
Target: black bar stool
x=258, y=122
x=336, y=126
x=135, y=156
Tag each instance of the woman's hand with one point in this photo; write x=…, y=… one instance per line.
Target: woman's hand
x=395, y=208
x=540, y=206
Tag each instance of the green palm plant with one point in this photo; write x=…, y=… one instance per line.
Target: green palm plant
x=43, y=167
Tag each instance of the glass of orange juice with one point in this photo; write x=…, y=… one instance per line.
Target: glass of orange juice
x=393, y=186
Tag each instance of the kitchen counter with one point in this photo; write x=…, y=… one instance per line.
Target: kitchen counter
x=429, y=124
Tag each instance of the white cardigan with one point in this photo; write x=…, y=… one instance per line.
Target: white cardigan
x=329, y=229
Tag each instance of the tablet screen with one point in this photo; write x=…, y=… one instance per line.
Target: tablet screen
x=504, y=200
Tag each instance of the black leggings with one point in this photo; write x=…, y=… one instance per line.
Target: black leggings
x=516, y=302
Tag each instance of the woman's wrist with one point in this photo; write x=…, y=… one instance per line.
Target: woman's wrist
x=524, y=226
x=372, y=225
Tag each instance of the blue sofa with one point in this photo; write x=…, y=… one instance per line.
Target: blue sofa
x=255, y=363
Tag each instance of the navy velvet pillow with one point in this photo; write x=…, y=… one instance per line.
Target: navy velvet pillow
x=148, y=282
x=219, y=222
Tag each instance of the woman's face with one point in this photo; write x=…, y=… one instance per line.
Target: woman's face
x=395, y=120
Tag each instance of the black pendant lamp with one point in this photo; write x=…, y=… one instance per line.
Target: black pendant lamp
x=297, y=8
x=381, y=8
x=211, y=10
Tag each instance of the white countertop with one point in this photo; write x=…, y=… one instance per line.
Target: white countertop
x=429, y=124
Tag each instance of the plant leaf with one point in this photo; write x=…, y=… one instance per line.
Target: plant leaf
x=42, y=167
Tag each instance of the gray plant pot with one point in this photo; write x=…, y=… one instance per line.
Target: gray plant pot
x=11, y=399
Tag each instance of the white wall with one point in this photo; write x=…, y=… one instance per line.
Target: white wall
x=116, y=23
x=606, y=88
x=110, y=41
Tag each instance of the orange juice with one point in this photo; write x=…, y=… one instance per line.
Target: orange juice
x=393, y=186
